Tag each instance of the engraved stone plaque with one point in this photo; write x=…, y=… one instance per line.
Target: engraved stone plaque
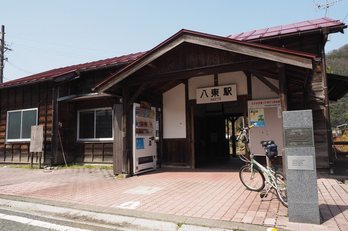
x=300, y=162
x=298, y=137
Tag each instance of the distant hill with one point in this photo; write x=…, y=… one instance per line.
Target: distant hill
x=337, y=62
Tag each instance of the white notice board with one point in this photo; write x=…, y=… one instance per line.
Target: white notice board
x=267, y=117
x=36, y=139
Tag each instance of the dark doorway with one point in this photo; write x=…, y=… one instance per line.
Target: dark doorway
x=214, y=126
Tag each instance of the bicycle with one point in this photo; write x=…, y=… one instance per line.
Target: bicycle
x=252, y=175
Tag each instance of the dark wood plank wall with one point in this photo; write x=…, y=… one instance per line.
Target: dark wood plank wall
x=319, y=120
x=79, y=151
x=175, y=152
x=312, y=99
x=29, y=96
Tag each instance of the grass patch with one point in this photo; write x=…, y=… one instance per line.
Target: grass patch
x=180, y=224
x=71, y=166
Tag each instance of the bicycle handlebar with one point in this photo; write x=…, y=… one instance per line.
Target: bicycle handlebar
x=245, y=130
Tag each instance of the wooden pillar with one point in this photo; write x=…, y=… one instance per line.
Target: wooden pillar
x=282, y=87
x=246, y=123
x=54, y=140
x=118, y=153
x=327, y=110
x=233, y=138
x=127, y=155
x=283, y=100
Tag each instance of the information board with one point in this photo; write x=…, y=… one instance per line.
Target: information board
x=36, y=139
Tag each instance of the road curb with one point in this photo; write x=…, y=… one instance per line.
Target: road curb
x=122, y=217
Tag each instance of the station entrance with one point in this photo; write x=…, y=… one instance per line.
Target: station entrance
x=215, y=126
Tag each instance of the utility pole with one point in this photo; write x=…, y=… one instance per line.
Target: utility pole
x=2, y=54
x=3, y=49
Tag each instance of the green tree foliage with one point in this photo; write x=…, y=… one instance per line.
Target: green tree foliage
x=337, y=60
x=337, y=63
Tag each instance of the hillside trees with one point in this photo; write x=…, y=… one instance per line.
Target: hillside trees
x=337, y=62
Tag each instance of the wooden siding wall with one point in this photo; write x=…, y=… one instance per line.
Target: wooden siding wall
x=30, y=96
x=78, y=151
x=175, y=152
x=313, y=99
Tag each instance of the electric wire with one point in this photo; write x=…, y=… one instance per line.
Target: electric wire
x=345, y=17
x=51, y=52
x=21, y=62
x=60, y=45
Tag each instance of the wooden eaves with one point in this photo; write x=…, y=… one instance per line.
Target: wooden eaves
x=265, y=52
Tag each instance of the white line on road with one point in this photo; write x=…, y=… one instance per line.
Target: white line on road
x=38, y=223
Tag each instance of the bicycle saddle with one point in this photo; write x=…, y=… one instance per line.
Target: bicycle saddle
x=265, y=143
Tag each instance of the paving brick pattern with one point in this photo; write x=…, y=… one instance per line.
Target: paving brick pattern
x=209, y=194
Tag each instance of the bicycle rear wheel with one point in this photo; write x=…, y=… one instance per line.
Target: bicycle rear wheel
x=282, y=188
x=255, y=181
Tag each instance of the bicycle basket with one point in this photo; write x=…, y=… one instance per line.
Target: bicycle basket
x=272, y=151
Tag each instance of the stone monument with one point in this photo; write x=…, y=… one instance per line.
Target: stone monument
x=301, y=174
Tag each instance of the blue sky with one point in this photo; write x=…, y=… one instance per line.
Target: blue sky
x=49, y=34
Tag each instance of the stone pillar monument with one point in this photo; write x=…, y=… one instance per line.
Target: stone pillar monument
x=300, y=164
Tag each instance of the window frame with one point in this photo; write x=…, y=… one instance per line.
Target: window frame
x=21, y=125
x=95, y=120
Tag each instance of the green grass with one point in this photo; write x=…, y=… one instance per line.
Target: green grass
x=88, y=166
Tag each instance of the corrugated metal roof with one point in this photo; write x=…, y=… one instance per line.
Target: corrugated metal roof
x=288, y=29
x=51, y=74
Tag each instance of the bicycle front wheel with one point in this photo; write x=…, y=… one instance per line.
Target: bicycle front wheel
x=253, y=180
x=281, y=187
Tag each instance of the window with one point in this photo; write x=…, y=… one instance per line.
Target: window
x=19, y=124
x=95, y=125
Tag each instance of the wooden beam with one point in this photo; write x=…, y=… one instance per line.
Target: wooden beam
x=201, y=71
x=265, y=81
x=227, y=45
x=136, y=95
x=143, y=62
x=248, y=75
x=216, y=80
x=263, y=53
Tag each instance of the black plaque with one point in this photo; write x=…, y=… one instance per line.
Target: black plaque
x=299, y=137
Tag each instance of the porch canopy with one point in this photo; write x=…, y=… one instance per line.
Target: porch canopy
x=190, y=54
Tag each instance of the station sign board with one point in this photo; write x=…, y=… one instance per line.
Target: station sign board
x=216, y=94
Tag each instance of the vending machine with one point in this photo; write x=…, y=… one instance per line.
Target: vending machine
x=144, y=143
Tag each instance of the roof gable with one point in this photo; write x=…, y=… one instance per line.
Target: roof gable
x=252, y=49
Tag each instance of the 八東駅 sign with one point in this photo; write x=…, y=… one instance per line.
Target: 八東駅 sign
x=216, y=94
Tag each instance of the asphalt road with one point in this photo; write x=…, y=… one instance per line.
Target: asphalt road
x=17, y=220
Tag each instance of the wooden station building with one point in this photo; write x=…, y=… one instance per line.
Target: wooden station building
x=195, y=82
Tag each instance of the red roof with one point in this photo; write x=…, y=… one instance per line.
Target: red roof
x=51, y=74
x=288, y=29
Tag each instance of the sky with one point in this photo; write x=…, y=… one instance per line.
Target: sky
x=49, y=34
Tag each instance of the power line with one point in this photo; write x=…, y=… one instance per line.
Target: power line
x=60, y=45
